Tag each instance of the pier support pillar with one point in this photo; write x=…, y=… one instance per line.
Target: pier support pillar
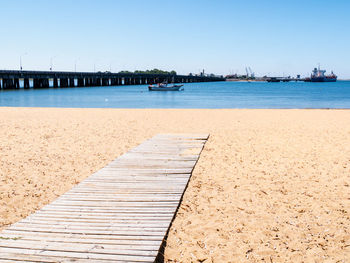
x=114, y=82
x=41, y=83
x=16, y=83
x=55, y=83
x=97, y=82
x=36, y=84
x=26, y=84
x=71, y=82
x=63, y=82
x=80, y=82
x=10, y=84
x=105, y=82
x=46, y=83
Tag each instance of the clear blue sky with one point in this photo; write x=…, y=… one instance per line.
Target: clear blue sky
x=272, y=37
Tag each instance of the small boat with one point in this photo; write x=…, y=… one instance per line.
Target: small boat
x=165, y=87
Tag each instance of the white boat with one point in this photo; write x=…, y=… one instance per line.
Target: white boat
x=165, y=87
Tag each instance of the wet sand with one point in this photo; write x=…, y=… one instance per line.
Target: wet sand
x=270, y=185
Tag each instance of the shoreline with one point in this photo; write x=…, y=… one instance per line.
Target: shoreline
x=262, y=173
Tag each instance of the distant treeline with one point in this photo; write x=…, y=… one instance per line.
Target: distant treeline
x=152, y=71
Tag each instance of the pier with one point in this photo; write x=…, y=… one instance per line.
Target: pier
x=16, y=79
x=285, y=79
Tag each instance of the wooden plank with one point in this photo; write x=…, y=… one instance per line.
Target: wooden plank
x=101, y=220
x=111, y=213
x=85, y=240
x=125, y=194
x=133, y=229
x=141, y=234
x=137, y=169
x=79, y=247
x=79, y=255
x=139, y=178
x=110, y=210
x=121, y=213
x=141, y=174
x=16, y=257
x=107, y=218
x=118, y=199
x=143, y=199
x=95, y=238
x=129, y=184
x=119, y=203
x=129, y=222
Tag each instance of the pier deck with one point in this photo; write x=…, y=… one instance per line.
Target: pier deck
x=18, y=79
x=119, y=214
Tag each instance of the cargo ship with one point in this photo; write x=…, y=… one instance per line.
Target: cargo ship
x=318, y=75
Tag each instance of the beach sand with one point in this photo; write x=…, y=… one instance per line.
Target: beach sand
x=270, y=185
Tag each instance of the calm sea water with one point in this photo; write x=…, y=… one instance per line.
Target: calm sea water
x=196, y=95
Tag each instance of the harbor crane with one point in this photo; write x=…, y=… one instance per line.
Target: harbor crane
x=250, y=73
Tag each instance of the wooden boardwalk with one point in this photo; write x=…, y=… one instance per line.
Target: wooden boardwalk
x=119, y=214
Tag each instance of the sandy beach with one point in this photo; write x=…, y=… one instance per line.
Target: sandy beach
x=270, y=185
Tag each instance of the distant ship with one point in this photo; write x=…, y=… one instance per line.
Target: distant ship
x=318, y=75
